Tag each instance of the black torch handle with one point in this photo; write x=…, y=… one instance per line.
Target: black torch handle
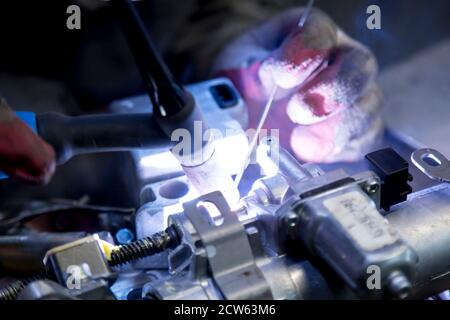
x=70, y=136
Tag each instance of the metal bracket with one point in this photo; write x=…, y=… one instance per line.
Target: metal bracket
x=432, y=163
x=228, y=250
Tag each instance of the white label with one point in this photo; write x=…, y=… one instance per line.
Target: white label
x=362, y=221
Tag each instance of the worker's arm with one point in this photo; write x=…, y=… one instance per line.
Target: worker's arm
x=23, y=155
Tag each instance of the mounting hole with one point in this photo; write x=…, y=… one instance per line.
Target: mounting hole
x=224, y=95
x=431, y=160
x=198, y=244
x=174, y=190
x=210, y=211
x=147, y=195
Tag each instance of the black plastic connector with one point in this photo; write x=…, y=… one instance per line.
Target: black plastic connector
x=393, y=172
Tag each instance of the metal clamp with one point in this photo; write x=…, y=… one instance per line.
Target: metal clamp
x=228, y=250
x=432, y=163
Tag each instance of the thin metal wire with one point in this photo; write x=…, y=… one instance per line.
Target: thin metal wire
x=306, y=13
x=254, y=140
x=268, y=106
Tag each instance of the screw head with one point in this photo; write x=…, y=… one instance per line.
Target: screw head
x=291, y=221
x=372, y=187
x=399, y=285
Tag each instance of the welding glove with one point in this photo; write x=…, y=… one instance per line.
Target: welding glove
x=23, y=155
x=327, y=107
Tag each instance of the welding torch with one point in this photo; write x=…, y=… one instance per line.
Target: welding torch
x=173, y=108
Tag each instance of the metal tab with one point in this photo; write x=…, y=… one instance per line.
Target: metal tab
x=228, y=250
x=432, y=163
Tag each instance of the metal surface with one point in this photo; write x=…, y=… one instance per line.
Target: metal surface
x=164, y=198
x=298, y=278
x=424, y=222
x=433, y=163
x=45, y=290
x=343, y=227
x=249, y=253
x=287, y=276
x=217, y=249
x=86, y=255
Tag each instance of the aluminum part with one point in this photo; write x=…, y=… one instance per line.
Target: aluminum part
x=228, y=251
x=433, y=163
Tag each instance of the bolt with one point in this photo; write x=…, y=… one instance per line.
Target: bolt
x=291, y=221
x=398, y=285
x=372, y=187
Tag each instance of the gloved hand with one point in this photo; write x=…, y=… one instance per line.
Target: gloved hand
x=327, y=106
x=23, y=155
